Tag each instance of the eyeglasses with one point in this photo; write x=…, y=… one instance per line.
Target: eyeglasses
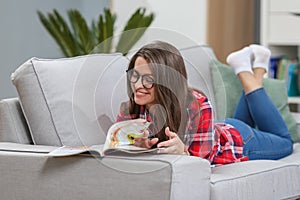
x=147, y=80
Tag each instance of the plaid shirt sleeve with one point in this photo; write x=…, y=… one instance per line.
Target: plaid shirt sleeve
x=228, y=146
x=199, y=136
x=124, y=113
x=220, y=143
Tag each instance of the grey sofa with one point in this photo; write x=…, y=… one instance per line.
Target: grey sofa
x=73, y=101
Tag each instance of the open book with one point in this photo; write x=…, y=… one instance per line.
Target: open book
x=120, y=138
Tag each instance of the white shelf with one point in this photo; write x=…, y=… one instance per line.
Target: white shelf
x=280, y=32
x=294, y=100
x=279, y=28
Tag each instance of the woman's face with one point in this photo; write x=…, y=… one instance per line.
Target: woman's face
x=142, y=83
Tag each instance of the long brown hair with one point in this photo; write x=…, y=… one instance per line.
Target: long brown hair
x=170, y=88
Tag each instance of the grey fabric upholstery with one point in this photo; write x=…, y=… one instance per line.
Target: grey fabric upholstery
x=197, y=60
x=85, y=177
x=13, y=126
x=59, y=97
x=259, y=179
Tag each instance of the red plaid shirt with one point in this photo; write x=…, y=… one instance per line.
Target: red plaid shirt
x=219, y=143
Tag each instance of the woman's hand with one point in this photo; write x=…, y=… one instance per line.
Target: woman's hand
x=144, y=141
x=172, y=146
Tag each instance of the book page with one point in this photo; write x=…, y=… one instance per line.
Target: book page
x=74, y=150
x=121, y=135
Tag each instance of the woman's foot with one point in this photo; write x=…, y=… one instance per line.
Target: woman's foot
x=240, y=60
x=261, y=56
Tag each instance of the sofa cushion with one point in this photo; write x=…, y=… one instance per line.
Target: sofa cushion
x=61, y=98
x=197, y=61
x=227, y=89
x=258, y=179
x=111, y=177
x=13, y=127
x=294, y=157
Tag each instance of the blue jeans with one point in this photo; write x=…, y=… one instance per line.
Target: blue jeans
x=261, y=126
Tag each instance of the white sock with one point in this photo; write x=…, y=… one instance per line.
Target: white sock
x=261, y=56
x=240, y=60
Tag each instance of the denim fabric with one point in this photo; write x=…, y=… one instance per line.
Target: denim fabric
x=261, y=126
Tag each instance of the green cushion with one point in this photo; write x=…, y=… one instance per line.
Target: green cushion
x=227, y=90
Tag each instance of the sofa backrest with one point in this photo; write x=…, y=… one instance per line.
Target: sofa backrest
x=198, y=60
x=73, y=101
x=58, y=96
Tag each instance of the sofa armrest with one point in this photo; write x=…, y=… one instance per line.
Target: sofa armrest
x=30, y=174
x=13, y=126
x=23, y=148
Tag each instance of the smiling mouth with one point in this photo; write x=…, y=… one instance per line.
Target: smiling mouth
x=141, y=93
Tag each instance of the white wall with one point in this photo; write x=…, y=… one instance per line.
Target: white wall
x=22, y=36
x=187, y=18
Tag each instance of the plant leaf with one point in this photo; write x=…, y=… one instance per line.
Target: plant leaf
x=52, y=32
x=81, y=31
x=81, y=38
x=106, y=31
x=134, y=29
x=64, y=33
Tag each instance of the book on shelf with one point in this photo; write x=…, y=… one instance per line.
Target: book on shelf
x=120, y=139
x=293, y=80
x=287, y=69
x=273, y=66
x=282, y=68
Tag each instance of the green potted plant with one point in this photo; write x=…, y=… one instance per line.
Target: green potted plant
x=82, y=39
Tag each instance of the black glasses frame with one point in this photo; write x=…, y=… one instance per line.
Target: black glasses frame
x=146, y=84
